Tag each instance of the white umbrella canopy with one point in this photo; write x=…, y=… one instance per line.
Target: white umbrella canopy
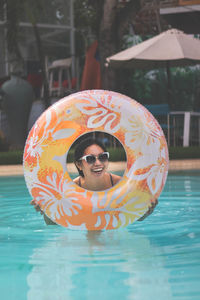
x=172, y=46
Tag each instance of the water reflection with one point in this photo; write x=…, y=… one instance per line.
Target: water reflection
x=98, y=265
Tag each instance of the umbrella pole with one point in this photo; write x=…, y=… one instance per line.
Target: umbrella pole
x=169, y=85
x=169, y=98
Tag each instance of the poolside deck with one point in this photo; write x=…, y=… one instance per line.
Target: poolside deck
x=174, y=165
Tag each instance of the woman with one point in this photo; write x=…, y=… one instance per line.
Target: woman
x=91, y=160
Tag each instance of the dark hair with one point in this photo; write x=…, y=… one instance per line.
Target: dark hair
x=80, y=149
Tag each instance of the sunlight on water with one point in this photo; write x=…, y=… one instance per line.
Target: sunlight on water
x=158, y=258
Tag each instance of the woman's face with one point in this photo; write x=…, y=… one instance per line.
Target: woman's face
x=97, y=169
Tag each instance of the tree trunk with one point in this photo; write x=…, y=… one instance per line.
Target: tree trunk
x=14, y=57
x=107, y=42
x=115, y=21
x=42, y=65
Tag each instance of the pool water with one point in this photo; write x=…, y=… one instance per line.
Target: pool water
x=158, y=258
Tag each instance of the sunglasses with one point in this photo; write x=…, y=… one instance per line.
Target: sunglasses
x=91, y=159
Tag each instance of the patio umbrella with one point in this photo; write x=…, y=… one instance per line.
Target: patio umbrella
x=172, y=48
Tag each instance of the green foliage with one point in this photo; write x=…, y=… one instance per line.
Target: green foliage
x=151, y=87
x=184, y=82
x=143, y=86
x=184, y=152
x=86, y=15
x=3, y=143
x=87, y=19
x=11, y=158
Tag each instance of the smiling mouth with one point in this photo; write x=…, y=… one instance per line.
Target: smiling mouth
x=97, y=170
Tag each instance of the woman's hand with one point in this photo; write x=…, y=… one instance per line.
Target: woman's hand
x=149, y=211
x=38, y=209
x=36, y=206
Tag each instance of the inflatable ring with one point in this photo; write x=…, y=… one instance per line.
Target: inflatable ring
x=50, y=139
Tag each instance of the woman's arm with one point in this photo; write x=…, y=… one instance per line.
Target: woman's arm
x=38, y=209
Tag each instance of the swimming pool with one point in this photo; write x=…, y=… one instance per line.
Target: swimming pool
x=158, y=258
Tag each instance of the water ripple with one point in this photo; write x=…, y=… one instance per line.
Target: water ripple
x=158, y=258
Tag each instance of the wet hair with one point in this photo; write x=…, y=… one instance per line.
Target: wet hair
x=80, y=149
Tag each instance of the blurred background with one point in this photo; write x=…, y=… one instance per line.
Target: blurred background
x=52, y=48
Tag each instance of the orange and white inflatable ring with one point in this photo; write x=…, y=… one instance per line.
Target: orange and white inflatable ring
x=50, y=139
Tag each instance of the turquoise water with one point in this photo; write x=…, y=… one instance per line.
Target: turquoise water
x=158, y=258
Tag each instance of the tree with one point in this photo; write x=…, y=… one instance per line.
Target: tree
x=12, y=12
x=33, y=9
x=108, y=21
x=16, y=11
x=33, y=12
x=114, y=24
